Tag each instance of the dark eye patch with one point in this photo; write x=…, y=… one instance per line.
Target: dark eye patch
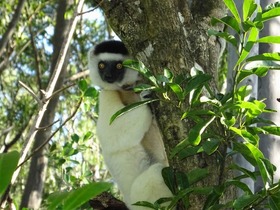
x=119, y=66
x=101, y=65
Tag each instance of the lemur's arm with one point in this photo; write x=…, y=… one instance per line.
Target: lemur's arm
x=152, y=141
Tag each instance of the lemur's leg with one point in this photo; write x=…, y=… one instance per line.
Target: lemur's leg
x=149, y=186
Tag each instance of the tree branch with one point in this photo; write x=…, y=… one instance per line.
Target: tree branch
x=49, y=92
x=11, y=27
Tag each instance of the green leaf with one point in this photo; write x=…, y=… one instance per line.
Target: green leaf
x=8, y=164
x=189, y=151
x=249, y=7
x=245, y=171
x=274, y=130
x=243, y=92
x=211, y=145
x=240, y=185
x=274, y=202
x=75, y=137
x=196, y=81
x=75, y=198
x=274, y=12
x=245, y=201
x=265, y=56
x=194, y=113
x=213, y=197
x=140, y=67
x=258, y=156
x=182, y=180
x=82, y=84
x=232, y=7
x=168, y=175
x=225, y=35
x=179, y=147
x=227, y=20
x=129, y=108
x=145, y=204
x=250, y=43
x=197, y=174
x=245, y=152
x=177, y=90
x=143, y=87
x=87, y=136
x=195, y=133
x=247, y=136
x=269, y=39
x=91, y=92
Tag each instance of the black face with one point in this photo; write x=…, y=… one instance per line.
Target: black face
x=111, y=71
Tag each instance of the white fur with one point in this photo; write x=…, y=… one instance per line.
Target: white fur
x=124, y=142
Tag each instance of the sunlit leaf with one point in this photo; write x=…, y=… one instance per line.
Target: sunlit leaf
x=177, y=90
x=265, y=56
x=250, y=43
x=195, y=133
x=232, y=7
x=247, y=136
x=249, y=7
x=272, y=13
x=258, y=156
x=269, y=39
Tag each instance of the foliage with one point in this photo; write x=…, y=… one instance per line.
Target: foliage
x=237, y=112
x=73, y=153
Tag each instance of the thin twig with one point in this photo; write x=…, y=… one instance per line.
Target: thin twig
x=52, y=135
x=47, y=126
x=31, y=92
x=77, y=76
x=91, y=10
x=60, y=90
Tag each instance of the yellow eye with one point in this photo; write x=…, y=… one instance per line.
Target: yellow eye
x=101, y=65
x=119, y=66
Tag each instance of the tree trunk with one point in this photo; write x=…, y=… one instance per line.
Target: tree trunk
x=173, y=34
x=32, y=195
x=269, y=89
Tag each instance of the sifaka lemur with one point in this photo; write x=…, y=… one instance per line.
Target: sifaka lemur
x=132, y=145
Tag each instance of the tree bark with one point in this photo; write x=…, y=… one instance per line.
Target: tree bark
x=173, y=34
x=32, y=195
